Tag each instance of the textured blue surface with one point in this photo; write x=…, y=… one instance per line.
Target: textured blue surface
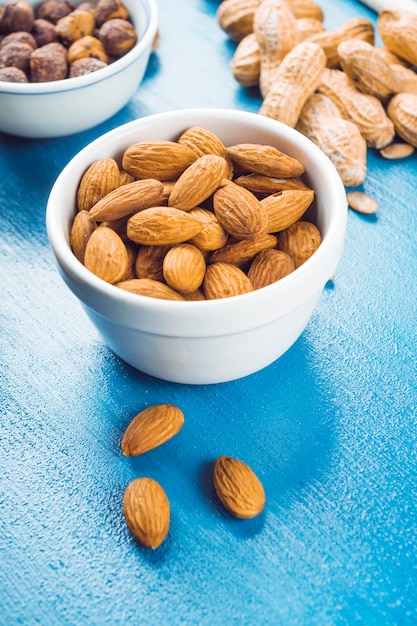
x=330, y=428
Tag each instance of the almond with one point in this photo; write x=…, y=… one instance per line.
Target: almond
x=239, y=211
x=184, y=268
x=286, y=207
x=149, y=287
x=161, y=226
x=161, y=159
x=149, y=262
x=202, y=141
x=262, y=185
x=241, y=252
x=300, y=241
x=99, y=179
x=269, y=266
x=223, y=280
x=199, y=181
x=238, y=488
x=106, y=255
x=147, y=511
x=128, y=199
x=151, y=428
x=264, y=159
x=212, y=235
x=81, y=229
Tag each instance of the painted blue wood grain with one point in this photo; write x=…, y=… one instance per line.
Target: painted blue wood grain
x=330, y=428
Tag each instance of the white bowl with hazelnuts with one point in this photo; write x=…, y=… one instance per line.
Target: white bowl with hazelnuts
x=66, y=65
x=198, y=241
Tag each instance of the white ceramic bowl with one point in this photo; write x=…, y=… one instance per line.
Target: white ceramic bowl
x=64, y=107
x=207, y=341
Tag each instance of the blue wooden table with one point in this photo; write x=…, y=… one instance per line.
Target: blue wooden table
x=330, y=428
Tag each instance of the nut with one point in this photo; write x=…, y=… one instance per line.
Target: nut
x=266, y=160
x=147, y=511
x=299, y=241
x=184, y=268
x=106, y=255
x=238, y=488
x=75, y=25
x=163, y=160
x=99, y=179
x=118, y=36
x=150, y=288
x=81, y=230
x=269, y=266
x=224, y=280
x=239, y=211
x=199, y=181
x=48, y=63
x=161, y=226
x=151, y=428
x=127, y=199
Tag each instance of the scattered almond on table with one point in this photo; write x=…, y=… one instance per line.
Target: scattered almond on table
x=146, y=507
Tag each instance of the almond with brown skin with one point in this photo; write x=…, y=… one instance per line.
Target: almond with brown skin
x=128, y=199
x=286, y=207
x=239, y=211
x=299, y=241
x=106, y=255
x=150, y=288
x=212, y=235
x=238, y=488
x=147, y=511
x=269, y=266
x=242, y=252
x=81, y=229
x=202, y=141
x=99, y=179
x=161, y=226
x=151, y=428
x=184, y=268
x=264, y=159
x=262, y=185
x=224, y=280
x=149, y=262
x=199, y=181
x=160, y=159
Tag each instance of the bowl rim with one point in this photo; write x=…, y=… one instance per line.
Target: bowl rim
x=79, y=82
x=58, y=234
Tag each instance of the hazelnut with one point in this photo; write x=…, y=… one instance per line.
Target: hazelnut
x=87, y=6
x=44, y=32
x=17, y=15
x=87, y=65
x=117, y=36
x=16, y=55
x=48, y=63
x=87, y=46
x=110, y=9
x=75, y=25
x=53, y=10
x=13, y=75
x=20, y=36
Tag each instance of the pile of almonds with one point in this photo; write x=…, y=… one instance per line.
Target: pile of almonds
x=336, y=86
x=193, y=219
x=145, y=504
x=57, y=40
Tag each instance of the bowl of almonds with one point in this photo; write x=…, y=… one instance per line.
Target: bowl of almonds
x=198, y=241
x=66, y=66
